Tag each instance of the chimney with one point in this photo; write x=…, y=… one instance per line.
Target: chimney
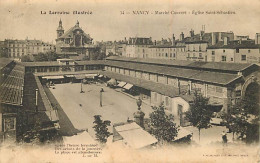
x=240, y=41
x=191, y=33
x=220, y=36
x=173, y=39
x=181, y=36
x=257, y=38
x=213, y=38
x=226, y=40
x=139, y=114
x=201, y=34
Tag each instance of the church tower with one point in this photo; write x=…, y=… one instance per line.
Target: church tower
x=60, y=30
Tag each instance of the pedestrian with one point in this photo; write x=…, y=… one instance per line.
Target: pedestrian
x=224, y=138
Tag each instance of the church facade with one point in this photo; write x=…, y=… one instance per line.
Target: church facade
x=74, y=43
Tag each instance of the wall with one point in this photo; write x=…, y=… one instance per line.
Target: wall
x=217, y=57
x=252, y=56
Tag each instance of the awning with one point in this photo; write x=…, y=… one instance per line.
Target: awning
x=90, y=75
x=121, y=84
x=80, y=76
x=128, y=86
x=216, y=121
x=215, y=107
x=135, y=136
x=53, y=77
x=79, y=138
x=112, y=81
x=182, y=133
x=70, y=76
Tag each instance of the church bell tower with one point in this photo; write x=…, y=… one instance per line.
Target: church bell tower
x=60, y=30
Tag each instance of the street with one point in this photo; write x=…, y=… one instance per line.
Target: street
x=81, y=107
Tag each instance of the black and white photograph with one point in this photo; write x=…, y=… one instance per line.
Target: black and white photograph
x=129, y=81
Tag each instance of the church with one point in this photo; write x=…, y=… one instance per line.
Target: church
x=74, y=43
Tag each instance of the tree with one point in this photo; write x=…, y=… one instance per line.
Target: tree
x=52, y=56
x=162, y=125
x=49, y=56
x=199, y=114
x=26, y=58
x=3, y=53
x=243, y=117
x=101, y=129
x=41, y=57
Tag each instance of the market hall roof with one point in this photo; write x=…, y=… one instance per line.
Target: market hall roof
x=149, y=85
x=11, y=86
x=212, y=66
x=189, y=74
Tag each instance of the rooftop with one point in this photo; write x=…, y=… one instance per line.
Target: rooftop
x=134, y=136
x=11, y=87
x=236, y=44
x=189, y=74
x=218, y=66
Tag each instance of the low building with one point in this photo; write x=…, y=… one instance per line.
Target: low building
x=174, y=82
x=63, y=66
x=11, y=100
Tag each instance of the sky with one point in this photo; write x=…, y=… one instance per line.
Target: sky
x=20, y=19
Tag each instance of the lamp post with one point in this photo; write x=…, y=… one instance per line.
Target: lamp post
x=101, y=90
x=81, y=91
x=36, y=100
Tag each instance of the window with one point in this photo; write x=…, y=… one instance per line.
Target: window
x=9, y=123
x=237, y=50
x=166, y=55
x=170, y=54
x=224, y=51
x=200, y=55
x=249, y=51
x=231, y=59
x=243, y=57
x=174, y=55
x=224, y=58
x=213, y=52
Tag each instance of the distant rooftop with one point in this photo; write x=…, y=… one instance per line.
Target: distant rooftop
x=243, y=44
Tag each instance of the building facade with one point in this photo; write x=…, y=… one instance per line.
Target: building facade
x=138, y=47
x=174, y=83
x=19, y=48
x=237, y=51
